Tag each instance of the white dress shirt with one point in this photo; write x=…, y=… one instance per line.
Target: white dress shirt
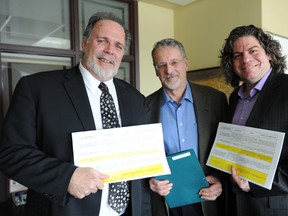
x=94, y=93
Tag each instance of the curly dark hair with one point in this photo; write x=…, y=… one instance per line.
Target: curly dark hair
x=271, y=47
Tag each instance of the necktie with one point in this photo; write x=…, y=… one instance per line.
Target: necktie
x=119, y=191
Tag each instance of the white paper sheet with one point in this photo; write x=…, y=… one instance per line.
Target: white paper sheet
x=123, y=153
x=254, y=152
x=15, y=186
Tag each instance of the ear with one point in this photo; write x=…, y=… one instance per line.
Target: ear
x=186, y=63
x=84, y=43
x=157, y=73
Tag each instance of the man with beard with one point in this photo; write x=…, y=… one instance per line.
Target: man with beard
x=189, y=114
x=36, y=144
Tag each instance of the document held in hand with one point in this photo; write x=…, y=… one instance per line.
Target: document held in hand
x=187, y=177
x=123, y=153
x=254, y=152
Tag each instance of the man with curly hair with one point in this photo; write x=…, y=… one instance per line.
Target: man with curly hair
x=254, y=65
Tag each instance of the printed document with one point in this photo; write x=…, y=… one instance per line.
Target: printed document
x=254, y=152
x=123, y=153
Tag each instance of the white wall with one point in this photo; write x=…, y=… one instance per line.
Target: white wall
x=155, y=23
x=284, y=43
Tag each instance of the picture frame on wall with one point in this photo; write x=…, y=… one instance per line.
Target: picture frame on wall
x=212, y=77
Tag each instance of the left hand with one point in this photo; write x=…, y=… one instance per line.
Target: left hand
x=213, y=191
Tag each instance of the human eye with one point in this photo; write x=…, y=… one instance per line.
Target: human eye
x=101, y=41
x=236, y=56
x=253, y=51
x=160, y=66
x=119, y=46
x=174, y=63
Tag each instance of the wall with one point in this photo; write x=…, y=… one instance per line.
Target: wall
x=275, y=16
x=202, y=28
x=155, y=23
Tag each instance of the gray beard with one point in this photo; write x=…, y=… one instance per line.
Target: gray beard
x=170, y=86
x=102, y=74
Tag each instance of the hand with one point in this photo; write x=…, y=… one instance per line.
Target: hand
x=213, y=191
x=161, y=187
x=242, y=183
x=85, y=181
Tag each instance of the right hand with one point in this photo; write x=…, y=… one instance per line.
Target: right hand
x=162, y=187
x=85, y=181
x=242, y=183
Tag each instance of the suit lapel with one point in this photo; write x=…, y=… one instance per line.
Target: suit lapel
x=153, y=113
x=202, y=118
x=76, y=90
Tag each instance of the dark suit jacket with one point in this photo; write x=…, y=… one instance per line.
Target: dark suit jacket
x=210, y=107
x=269, y=112
x=36, y=144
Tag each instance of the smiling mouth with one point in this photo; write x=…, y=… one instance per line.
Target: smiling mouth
x=106, y=61
x=249, y=67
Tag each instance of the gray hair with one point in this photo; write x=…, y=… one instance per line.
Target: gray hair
x=168, y=42
x=106, y=16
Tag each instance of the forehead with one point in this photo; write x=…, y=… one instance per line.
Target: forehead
x=109, y=29
x=245, y=43
x=167, y=53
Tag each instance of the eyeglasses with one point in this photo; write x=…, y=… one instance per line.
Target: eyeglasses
x=173, y=63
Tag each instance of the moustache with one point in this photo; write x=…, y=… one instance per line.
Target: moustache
x=105, y=58
x=169, y=76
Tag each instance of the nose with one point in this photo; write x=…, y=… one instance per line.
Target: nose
x=109, y=49
x=169, y=68
x=246, y=57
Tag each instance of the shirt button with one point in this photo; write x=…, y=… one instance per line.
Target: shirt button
x=183, y=140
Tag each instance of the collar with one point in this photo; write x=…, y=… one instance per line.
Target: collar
x=257, y=88
x=187, y=96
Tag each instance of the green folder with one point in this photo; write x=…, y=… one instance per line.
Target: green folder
x=187, y=177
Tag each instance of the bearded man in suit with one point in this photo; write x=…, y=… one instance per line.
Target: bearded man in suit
x=189, y=114
x=36, y=144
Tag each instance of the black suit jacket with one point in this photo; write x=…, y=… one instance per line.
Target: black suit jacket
x=269, y=112
x=210, y=108
x=36, y=143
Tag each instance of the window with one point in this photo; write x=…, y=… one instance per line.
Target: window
x=33, y=30
x=46, y=35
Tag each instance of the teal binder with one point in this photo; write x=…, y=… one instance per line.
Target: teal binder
x=187, y=177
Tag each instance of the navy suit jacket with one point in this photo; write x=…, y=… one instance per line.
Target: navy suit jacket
x=36, y=143
x=210, y=108
x=269, y=112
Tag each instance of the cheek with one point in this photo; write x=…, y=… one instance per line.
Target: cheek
x=236, y=65
x=119, y=57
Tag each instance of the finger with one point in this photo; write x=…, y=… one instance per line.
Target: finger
x=211, y=196
x=212, y=179
x=162, y=190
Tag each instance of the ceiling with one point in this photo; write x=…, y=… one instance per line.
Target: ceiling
x=169, y=3
x=181, y=2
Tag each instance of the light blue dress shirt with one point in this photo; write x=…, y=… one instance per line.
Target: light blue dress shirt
x=179, y=123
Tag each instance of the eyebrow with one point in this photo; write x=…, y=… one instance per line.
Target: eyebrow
x=107, y=39
x=253, y=47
